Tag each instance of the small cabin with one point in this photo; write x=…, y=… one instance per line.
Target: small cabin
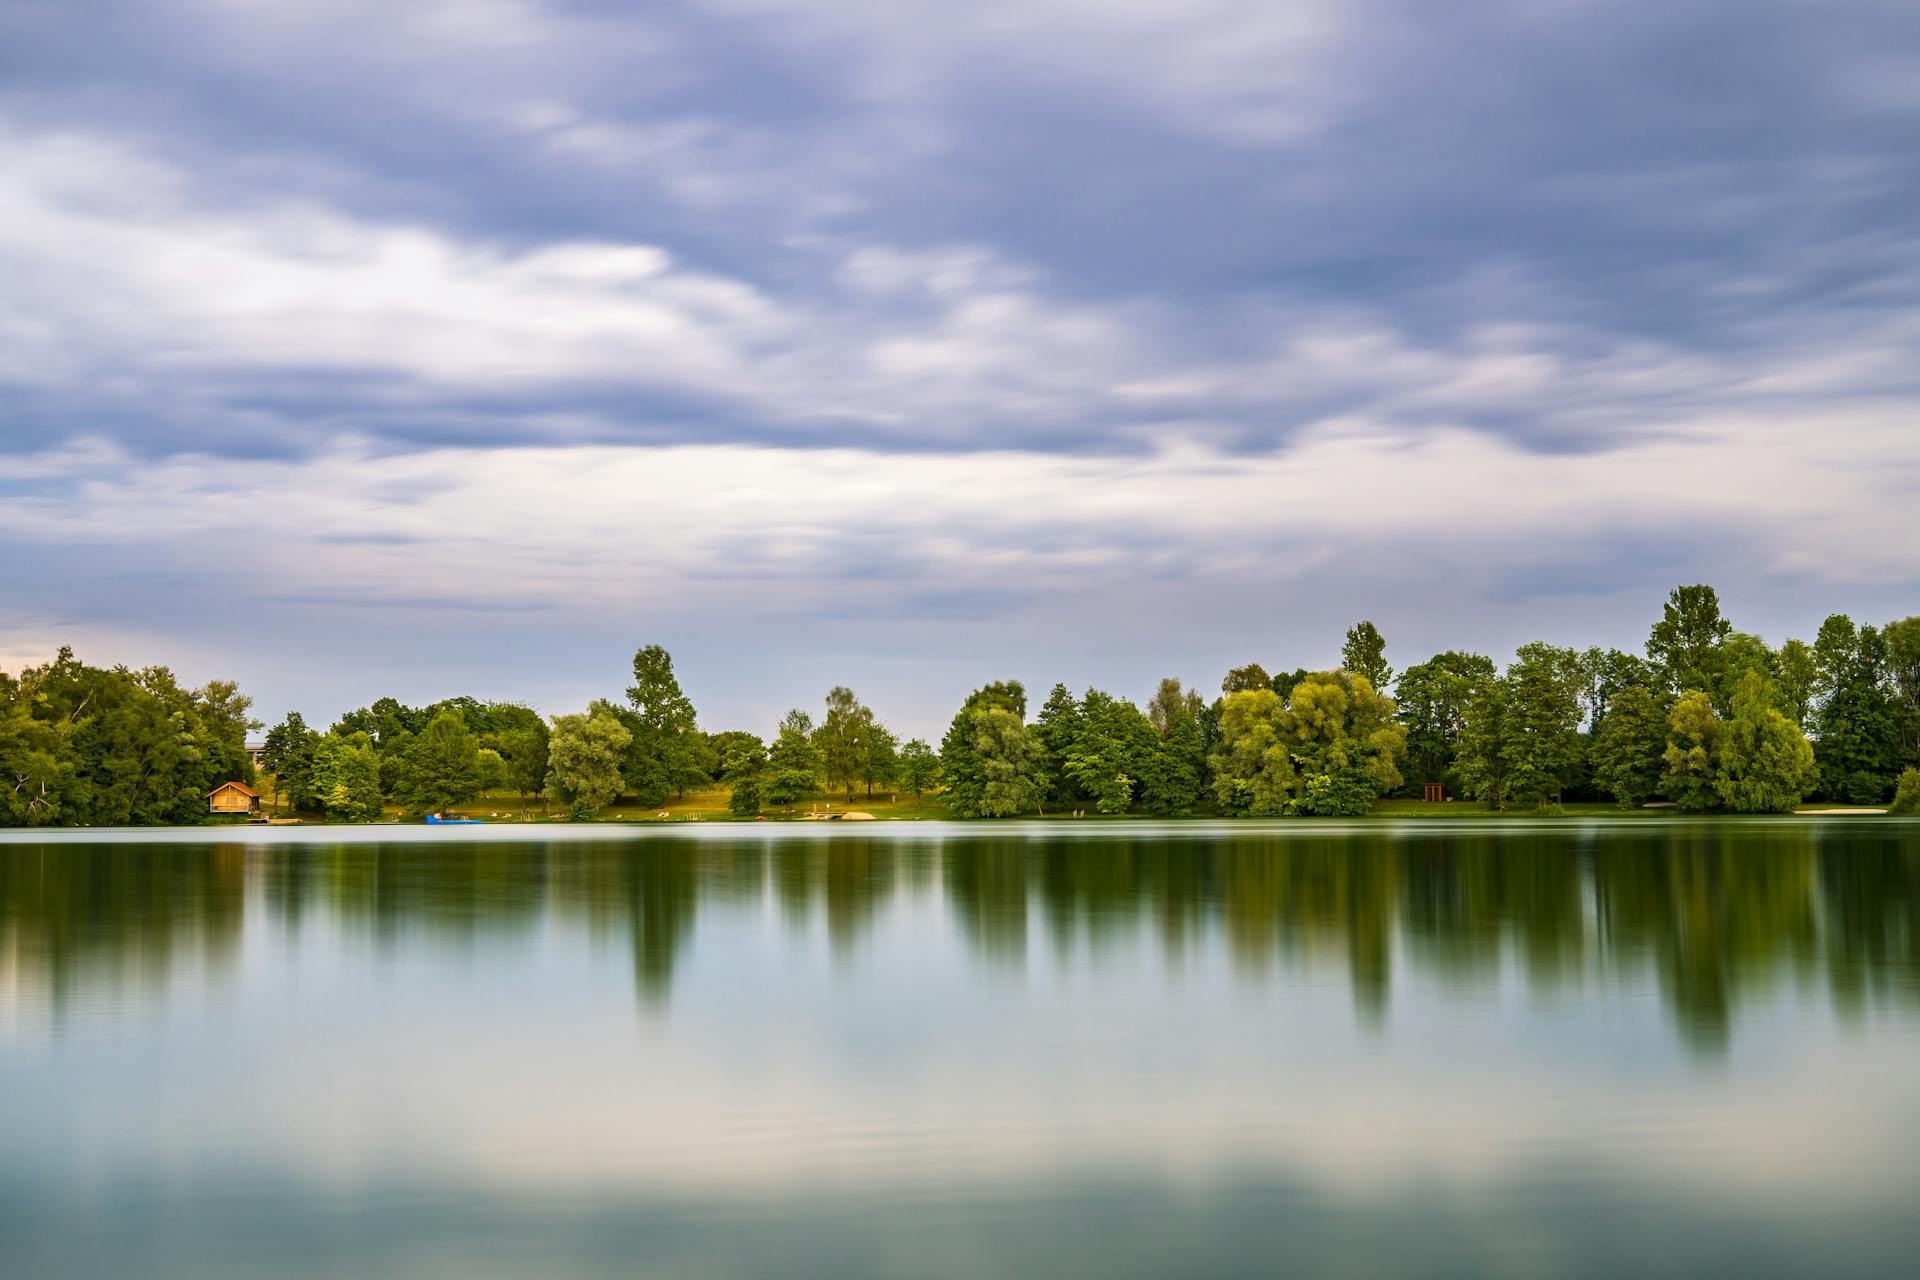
x=233, y=797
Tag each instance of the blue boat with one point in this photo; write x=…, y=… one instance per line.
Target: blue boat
x=435, y=820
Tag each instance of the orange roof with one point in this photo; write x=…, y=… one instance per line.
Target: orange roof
x=237, y=786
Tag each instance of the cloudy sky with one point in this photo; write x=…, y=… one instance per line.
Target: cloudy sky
x=350, y=348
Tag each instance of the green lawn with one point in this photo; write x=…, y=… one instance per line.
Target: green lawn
x=710, y=804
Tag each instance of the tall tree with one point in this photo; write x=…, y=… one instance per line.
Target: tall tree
x=1629, y=752
x=1833, y=648
x=1432, y=704
x=1112, y=751
x=844, y=739
x=1685, y=644
x=1542, y=723
x=1860, y=721
x=990, y=762
x=1766, y=763
x=346, y=777
x=585, y=753
x=745, y=766
x=1252, y=769
x=1694, y=736
x=1173, y=771
x=919, y=766
x=1242, y=679
x=1365, y=653
x=660, y=755
x=1481, y=758
x=1059, y=727
x=1603, y=674
x=287, y=754
x=880, y=763
x=1170, y=702
x=1796, y=679
x=1346, y=744
x=525, y=750
x=441, y=767
x=793, y=761
x=1903, y=666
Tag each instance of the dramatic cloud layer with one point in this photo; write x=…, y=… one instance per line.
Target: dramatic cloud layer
x=1104, y=340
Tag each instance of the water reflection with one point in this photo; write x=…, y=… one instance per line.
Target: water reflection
x=1714, y=914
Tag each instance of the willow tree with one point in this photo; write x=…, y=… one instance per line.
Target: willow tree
x=1766, y=763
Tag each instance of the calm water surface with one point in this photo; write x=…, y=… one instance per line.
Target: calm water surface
x=1642, y=1047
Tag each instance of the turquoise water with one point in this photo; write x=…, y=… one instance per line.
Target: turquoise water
x=1568, y=1048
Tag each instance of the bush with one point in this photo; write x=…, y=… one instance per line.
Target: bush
x=1906, y=797
x=1347, y=794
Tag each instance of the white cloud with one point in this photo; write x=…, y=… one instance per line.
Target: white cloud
x=700, y=527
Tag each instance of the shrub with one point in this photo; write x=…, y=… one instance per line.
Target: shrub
x=1906, y=797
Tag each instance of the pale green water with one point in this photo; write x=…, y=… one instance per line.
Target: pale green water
x=1459, y=1049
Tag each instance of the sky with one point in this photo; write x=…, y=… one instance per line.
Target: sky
x=350, y=348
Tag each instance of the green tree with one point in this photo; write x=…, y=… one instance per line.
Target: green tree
x=1796, y=679
x=1171, y=703
x=1766, y=763
x=1542, y=723
x=36, y=768
x=793, y=762
x=1685, y=644
x=919, y=766
x=1903, y=659
x=1247, y=678
x=493, y=770
x=1285, y=682
x=1011, y=776
x=1432, y=703
x=1902, y=639
x=1345, y=743
x=1604, y=673
x=880, y=764
x=1694, y=736
x=991, y=764
x=1365, y=653
x=441, y=767
x=1629, y=752
x=1741, y=652
x=1173, y=769
x=1481, y=758
x=745, y=767
x=1833, y=647
x=1115, y=745
x=346, y=777
x=1906, y=796
x=1058, y=729
x=1252, y=769
x=525, y=751
x=1858, y=747
x=287, y=754
x=585, y=754
x=844, y=739
x=660, y=753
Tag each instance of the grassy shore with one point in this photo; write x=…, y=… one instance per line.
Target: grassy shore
x=710, y=805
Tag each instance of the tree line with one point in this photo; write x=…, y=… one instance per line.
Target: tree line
x=1707, y=718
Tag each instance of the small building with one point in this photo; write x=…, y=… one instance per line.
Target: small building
x=233, y=797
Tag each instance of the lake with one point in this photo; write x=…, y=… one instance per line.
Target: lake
x=1461, y=1047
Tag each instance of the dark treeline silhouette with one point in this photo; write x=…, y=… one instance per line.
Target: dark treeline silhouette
x=1716, y=914
x=1707, y=718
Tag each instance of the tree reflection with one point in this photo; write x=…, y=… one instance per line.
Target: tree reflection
x=1713, y=914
